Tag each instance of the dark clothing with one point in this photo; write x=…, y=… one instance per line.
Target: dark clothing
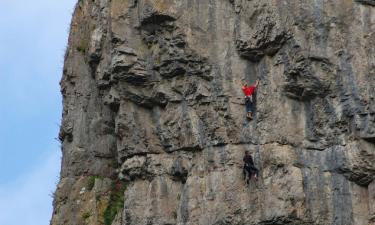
x=251, y=169
x=249, y=166
x=249, y=105
x=248, y=159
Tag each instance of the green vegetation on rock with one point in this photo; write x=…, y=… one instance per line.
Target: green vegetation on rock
x=86, y=215
x=116, y=201
x=83, y=46
x=91, y=182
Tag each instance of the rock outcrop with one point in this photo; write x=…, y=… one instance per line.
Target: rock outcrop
x=154, y=128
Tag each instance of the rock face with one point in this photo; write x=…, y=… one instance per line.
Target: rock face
x=154, y=127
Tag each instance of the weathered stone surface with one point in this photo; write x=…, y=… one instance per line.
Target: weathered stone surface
x=364, y=125
x=154, y=128
x=307, y=77
x=366, y=2
x=371, y=197
x=260, y=30
x=126, y=66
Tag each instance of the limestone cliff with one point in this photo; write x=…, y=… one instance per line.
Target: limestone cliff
x=154, y=127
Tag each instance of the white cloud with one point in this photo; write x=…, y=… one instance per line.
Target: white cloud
x=28, y=200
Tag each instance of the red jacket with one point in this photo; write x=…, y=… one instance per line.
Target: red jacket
x=249, y=90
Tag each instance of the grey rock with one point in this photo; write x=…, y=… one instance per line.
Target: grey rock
x=265, y=34
x=364, y=125
x=301, y=80
x=366, y=2
x=126, y=66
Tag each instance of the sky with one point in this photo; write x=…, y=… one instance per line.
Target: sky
x=33, y=38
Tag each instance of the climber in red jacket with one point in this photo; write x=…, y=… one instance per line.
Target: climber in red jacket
x=249, y=101
x=249, y=167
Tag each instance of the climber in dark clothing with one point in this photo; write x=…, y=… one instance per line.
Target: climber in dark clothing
x=249, y=101
x=249, y=167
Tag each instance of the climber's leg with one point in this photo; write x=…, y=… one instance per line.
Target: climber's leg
x=244, y=172
x=247, y=173
x=250, y=115
x=254, y=171
x=249, y=107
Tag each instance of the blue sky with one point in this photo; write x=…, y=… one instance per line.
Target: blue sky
x=33, y=39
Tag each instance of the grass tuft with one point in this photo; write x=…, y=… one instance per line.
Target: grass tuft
x=91, y=182
x=83, y=46
x=86, y=215
x=116, y=201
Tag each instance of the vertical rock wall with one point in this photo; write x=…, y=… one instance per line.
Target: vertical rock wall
x=154, y=127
